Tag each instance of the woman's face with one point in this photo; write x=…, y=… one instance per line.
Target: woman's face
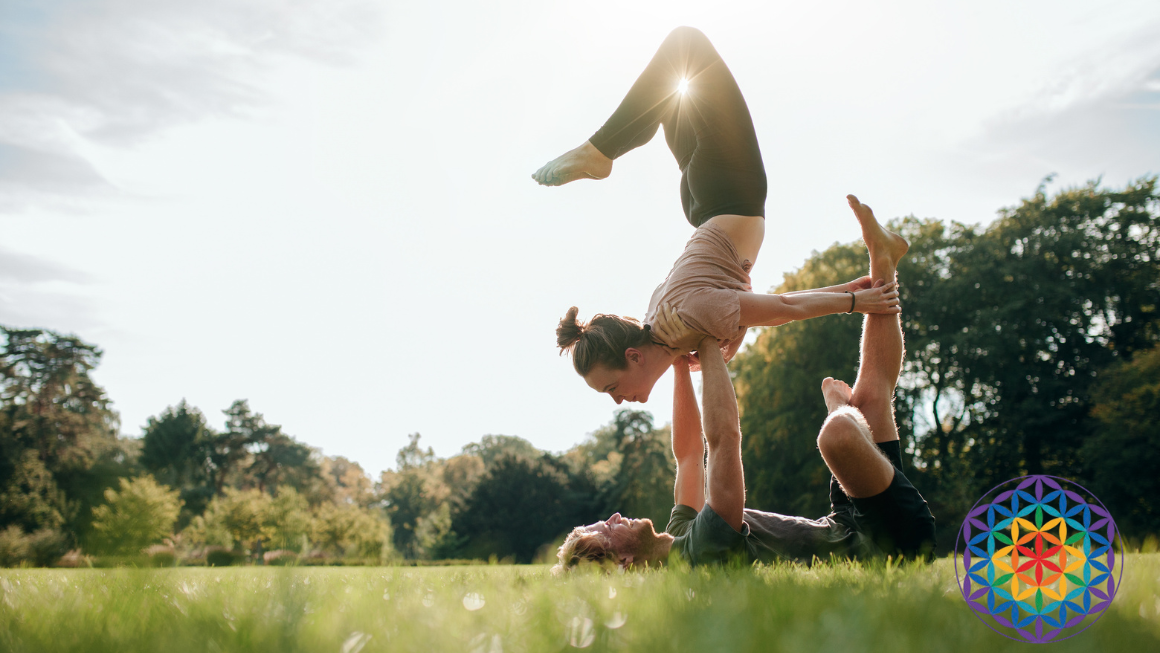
x=633, y=383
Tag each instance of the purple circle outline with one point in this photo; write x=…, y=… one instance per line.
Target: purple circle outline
x=1119, y=579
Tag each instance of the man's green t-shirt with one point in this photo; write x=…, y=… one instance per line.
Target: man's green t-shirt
x=705, y=538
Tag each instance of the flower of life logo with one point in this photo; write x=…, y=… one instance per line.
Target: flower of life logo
x=1038, y=556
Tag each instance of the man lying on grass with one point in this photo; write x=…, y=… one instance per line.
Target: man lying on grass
x=874, y=508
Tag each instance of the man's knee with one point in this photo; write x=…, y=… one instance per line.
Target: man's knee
x=843, y=431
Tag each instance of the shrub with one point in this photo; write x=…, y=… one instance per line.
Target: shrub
x=280, y=558
x=46, y=546
x=141, y=513
x=13, y=546
x=348, y=531
x=40, y=548
x=161, y=555
x=75, y=559
x=216, y=556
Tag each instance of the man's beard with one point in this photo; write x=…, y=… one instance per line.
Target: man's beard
x=647, y=545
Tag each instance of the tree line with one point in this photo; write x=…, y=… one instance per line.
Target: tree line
x=69, y=482
x=1033, y=346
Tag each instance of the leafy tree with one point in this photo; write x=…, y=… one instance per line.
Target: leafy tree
x=413, y=493
x=1123, y=454
x=1023, y=316
x=50, y=402
x=520, y=505
x=461, y=474
x=238, y=519
x=281, y=459
x=176, y=449
x=1041, y=299
x=631, y=464
x=644, y=487
x=141, y=513
x=31, y=499
x=252, y=452
x=229, y=450
x=345, y=482
x=288, y=521
x=49, y=405
x=346, y=530
x=491, y=448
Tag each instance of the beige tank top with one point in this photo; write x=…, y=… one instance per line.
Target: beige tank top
x=703, y=286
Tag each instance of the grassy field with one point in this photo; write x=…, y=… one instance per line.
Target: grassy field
x=843, y=607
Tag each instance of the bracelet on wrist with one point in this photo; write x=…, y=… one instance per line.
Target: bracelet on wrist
x=853, y=299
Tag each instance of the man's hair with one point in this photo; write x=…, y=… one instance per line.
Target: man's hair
x=583, y=545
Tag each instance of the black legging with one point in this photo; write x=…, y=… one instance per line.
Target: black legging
x=708, y=128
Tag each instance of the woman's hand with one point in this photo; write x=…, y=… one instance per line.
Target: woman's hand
x=880, y=299
x=671, y=330
x=861, y=283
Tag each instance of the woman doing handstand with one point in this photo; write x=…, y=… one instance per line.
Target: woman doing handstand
x=687, y=88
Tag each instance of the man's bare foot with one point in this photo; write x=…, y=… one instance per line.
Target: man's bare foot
x=584, y=162
x=837, y=393
x=882, y=243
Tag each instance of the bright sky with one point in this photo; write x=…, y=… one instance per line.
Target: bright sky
x=325, y=206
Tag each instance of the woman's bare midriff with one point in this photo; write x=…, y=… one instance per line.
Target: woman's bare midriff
x=747, y=233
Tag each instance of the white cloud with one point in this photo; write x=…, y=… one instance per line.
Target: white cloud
x=117, y=72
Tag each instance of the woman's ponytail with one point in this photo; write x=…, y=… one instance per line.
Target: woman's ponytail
x=602, y=340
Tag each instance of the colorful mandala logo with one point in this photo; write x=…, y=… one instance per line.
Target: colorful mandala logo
x=1039, y=559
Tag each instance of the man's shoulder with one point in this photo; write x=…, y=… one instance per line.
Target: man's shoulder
x=681, y=520
x=703, y=537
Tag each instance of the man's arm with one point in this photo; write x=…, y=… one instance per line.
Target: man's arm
x=723, y=431
x=861, y=283
x=688, y=444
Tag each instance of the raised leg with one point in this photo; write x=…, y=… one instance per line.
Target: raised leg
x=862, y=417
x=882, y=346
x=583, y=162
x=687, y=88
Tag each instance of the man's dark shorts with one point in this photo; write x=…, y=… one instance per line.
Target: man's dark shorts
x=898, y=521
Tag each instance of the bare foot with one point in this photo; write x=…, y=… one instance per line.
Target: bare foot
x=837, y=393
x=584, y=162
x=881, y=243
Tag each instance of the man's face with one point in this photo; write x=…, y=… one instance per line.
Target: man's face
x=627, y=535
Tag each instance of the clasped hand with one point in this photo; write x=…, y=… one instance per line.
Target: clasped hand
x=671, y=331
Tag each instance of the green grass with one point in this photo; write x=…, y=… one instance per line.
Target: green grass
x=844, y=607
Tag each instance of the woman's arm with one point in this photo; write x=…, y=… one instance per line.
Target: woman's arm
x=775, y=310
x=688, y=444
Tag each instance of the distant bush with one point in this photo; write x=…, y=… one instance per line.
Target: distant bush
x=13, y=546
x=161, y=555
x=75, y=559
x=216, y=556
x=280, y=558
x=349, y=531
x=319, y=559
x=40, y=548
x=140, y=513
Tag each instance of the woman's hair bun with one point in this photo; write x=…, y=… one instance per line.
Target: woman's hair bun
x=569, y=330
